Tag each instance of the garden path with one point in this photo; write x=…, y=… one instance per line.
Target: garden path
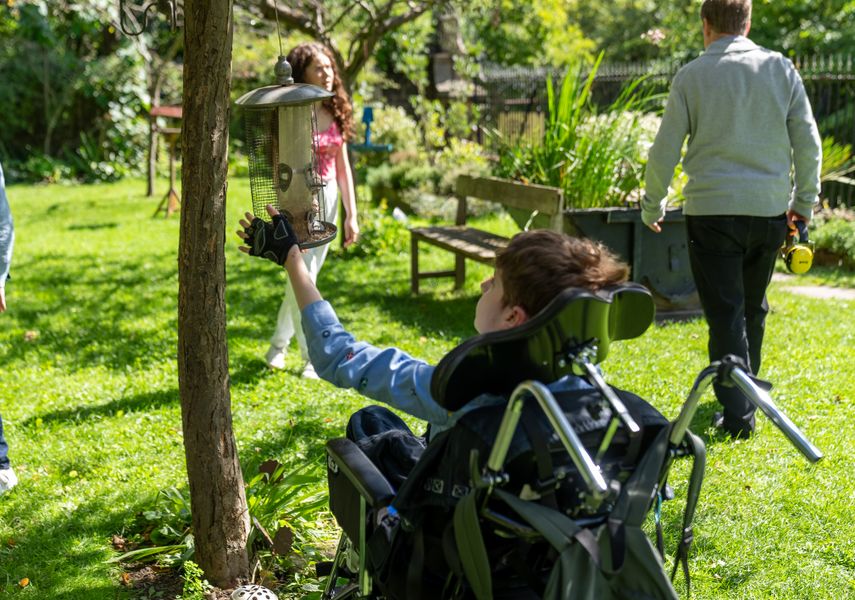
x=814, y=291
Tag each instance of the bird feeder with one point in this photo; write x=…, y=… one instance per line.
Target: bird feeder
x=281, y=141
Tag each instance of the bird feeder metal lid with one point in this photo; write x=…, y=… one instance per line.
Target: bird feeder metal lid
x=296, y=94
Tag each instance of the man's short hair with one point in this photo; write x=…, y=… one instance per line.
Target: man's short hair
x=538, y=265
x=727, y=16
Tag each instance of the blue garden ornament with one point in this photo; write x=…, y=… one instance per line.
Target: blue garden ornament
x=368, y=146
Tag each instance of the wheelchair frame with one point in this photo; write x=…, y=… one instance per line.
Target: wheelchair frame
x=374, y=494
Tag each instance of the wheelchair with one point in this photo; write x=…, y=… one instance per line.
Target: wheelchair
x=544, y=495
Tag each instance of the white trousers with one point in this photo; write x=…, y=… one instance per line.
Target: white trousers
x=288, y=322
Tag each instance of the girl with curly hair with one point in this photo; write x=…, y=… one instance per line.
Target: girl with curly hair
x=314, y=63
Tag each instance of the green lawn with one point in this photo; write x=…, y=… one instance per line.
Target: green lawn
x=89, y=398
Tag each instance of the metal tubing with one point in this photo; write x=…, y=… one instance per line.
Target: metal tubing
x=755, y=394
x=690, y=406
x=365, y=581
x=610, y=395
x=571, y=442
x=761, y=398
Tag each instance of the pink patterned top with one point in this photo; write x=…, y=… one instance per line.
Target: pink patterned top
x=329, y=143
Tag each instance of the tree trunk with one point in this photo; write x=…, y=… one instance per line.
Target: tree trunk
x=218, y=501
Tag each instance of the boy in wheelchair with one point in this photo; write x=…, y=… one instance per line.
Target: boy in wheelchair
x=534, y=268
x=481, y=507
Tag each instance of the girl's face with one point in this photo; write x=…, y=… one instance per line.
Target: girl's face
x=320, y=72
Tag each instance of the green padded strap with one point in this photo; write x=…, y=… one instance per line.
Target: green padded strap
x=470, y=547
x=696, y=479
x=560, y=531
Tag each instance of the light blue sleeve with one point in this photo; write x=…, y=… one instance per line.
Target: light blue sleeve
x=387, y=375
x=665, y=154
x=7, y=232
x=806, y=149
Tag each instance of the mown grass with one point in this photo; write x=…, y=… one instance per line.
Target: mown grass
x=89, y=398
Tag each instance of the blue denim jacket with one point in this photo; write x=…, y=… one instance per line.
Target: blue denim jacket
x=388, y=375
x=7, y=232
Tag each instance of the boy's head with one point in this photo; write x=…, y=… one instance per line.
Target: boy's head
x=727, y=17
x=534, y=268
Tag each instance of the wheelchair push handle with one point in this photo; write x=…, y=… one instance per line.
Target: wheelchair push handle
x=731, y=371
x=762, y=400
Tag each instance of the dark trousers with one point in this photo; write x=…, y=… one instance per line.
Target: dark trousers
x=386, y=441
x=732, y=259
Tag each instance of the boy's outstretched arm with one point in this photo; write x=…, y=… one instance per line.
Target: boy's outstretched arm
x=277, y=242
x=385, y=374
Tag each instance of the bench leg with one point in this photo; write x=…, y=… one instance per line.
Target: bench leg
x=414, y=264
x=459, y=271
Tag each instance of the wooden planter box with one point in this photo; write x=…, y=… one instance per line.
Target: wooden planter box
x=659, y=261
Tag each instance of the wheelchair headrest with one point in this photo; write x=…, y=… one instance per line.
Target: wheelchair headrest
x=538, y=349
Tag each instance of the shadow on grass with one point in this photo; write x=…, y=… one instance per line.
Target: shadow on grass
x=127, y=404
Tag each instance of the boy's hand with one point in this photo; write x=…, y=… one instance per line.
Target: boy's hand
x=272, y=241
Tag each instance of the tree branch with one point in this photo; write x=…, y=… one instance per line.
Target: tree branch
x=366, y=40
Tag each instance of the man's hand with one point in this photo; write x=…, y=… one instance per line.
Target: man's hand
x=656, y=226
x=272, y=241
x=2, y=299
x=792, y=217
x=652, y=213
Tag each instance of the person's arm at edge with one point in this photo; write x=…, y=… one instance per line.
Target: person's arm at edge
x=344, y=178
x=7, y=240
x=807, y=154
x=663, y=157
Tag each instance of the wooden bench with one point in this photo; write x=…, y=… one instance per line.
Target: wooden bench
x=468, y=242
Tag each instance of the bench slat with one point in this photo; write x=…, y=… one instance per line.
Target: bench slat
x=473, y=243
x=546, y=200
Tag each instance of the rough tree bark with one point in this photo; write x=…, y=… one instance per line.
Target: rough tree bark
x=218, y=501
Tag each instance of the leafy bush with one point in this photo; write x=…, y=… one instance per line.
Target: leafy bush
x=276, y=499
x=598, y=159
x=833, y=233
x=379, y=234
x=195, y=587
x=427, y=154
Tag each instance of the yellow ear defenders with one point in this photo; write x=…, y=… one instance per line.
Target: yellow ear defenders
x=798, y=255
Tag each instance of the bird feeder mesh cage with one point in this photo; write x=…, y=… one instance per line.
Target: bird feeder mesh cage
x=283, y=169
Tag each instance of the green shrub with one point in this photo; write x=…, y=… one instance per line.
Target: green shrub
x=598, y=159
x=379, y=234
x=195, y=587
x=833, y=233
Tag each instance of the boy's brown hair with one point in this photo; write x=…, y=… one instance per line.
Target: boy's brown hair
x=538, y=265
x=727, y=16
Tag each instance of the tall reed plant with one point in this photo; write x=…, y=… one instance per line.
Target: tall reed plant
x=596, y=156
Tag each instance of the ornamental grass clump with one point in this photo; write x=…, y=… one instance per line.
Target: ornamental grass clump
x=596, y=156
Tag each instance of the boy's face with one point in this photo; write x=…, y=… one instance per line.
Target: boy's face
x=491, y=313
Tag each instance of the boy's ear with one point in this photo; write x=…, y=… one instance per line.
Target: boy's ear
x=516, y=316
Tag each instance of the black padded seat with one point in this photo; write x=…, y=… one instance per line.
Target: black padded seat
x=539, y=349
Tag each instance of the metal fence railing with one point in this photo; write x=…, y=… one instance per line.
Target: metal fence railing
x=513, y=101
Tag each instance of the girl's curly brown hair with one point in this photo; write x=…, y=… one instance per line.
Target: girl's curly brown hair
x=301, y=57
